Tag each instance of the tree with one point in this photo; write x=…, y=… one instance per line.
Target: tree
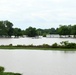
x=6, y=29
x=9, y=28
x=57, y=30
x=69, y=30
x=44, y=34
x=31, y=32
x=52, y=31
x=40, y=31
x=17, y=32
x=2, y=29
x=63, y=30
x=74, y=30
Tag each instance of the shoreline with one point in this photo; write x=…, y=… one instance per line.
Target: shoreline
x=37, y=48
x=63, y=46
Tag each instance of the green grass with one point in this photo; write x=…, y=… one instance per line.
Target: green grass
x=64, y=46
x=37, y=48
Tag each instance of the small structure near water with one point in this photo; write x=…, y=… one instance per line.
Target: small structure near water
x=52, y=36
x=58, y=36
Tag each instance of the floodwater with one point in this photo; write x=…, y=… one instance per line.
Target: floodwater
x=34, y=41
x=39, y=62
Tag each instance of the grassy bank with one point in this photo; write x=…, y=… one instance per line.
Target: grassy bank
x=39, y=48
x=64, y=45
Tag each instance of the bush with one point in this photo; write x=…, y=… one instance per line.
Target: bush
x=71, y=45
x=19, y=46
x=55, y=45
x=44, y=35
x=64, y=43
x=45, y=45
x=10, y=45
x=2, y=69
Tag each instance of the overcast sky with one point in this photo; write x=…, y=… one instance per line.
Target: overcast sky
x=38, y=13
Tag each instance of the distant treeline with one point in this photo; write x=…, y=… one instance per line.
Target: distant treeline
x=7, y=30
x=2, y=69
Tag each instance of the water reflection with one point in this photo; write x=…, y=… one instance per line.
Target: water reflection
x=28, y=41
x=39, y=62
x=70, y=52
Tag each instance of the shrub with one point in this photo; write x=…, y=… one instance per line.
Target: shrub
x=44, y=35
x=2, y=69
x=64, y=43
x=10, y=45
x=71, y=45
x=55, y=45
x=19, y=45
x=45, y=45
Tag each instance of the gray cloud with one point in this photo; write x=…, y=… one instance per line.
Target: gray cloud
x=38, y=13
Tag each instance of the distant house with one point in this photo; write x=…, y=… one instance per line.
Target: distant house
x=52, y=36
x=58, y=36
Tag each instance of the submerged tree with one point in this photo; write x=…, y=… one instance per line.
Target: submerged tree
x=31, y=32
x=63, y=30
x=74, y=30
x=6, y=28
x=17, y=32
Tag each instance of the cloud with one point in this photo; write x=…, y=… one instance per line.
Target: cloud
x=42, y=13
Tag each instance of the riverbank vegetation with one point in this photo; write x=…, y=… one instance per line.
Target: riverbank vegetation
x=2, y=72
x=7, y=30
x=64, y=45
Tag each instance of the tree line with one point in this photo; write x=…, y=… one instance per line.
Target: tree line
x=7, y=30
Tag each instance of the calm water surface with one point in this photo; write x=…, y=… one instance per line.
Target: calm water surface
x=28, y=41
x=39, y=62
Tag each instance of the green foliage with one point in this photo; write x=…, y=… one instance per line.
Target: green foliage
x=52, y=31
x=63, y=30
x=44, y=32
x=44, y=35
x=55, y=45
x=40, y=31
x=2, y=29
x=74, y=30
x=10, y=73
x=31, y=32
x=45, y=45
x=64, y=43
x=67, y=30
x=17, y=32
x=71, y=45
x=9, y=28
x=10, y=45
x=6, y=28
x=2, y=69
x=7, y=73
